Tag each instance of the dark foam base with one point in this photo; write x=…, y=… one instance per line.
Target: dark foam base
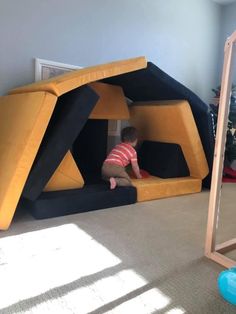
x=92, y=197
x=164, y=160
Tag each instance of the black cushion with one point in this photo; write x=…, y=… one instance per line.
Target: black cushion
x=164, y=160
x=91, y=197
x=154, y=84
x=90, y=150
x=70, y=114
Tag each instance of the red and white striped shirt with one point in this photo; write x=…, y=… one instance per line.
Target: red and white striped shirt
x=121, y=155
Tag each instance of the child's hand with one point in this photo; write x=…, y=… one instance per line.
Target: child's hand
x=136, y=169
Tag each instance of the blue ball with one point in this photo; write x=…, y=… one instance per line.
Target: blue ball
x=227, y=285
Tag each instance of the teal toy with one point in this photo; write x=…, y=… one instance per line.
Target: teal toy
x=227, y=285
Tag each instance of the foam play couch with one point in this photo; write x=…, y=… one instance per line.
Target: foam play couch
x=53, y=140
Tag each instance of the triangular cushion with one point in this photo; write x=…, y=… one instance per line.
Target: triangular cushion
x=66, y=177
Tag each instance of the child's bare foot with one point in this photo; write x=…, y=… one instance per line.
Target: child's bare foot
x=112, y=183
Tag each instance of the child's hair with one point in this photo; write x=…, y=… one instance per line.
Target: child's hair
x=129, y=134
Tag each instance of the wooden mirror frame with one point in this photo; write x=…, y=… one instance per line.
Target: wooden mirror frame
x=213, y=251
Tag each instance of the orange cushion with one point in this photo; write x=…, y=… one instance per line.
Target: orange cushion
x=172, y=122
x=154, y=188
x=23, y=121
x=112, y=103
x=61, y=84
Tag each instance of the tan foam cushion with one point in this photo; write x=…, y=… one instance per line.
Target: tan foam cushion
x=172, y=122
x=112, y=103
x=155, y=188
x=61, y=84
x=66, y=177
x=23, y=121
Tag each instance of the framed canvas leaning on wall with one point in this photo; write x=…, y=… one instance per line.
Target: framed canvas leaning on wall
x=45, y=69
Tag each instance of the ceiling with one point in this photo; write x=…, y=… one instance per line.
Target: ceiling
x=224, y=2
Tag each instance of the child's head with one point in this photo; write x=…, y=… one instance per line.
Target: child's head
x=129, y=135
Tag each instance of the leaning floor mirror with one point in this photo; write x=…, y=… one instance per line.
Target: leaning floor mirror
x=221, y=226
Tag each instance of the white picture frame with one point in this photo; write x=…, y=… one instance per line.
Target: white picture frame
x=45, y=69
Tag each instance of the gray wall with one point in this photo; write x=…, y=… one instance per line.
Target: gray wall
x=228, y=26
x=180, y=36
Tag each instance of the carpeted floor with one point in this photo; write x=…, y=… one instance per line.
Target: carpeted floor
x=145, y=258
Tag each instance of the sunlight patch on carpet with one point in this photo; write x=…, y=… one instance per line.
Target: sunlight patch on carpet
x=35, y=262
x=176, y=311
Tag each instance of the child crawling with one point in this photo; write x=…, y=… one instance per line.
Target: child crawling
x=122, y=155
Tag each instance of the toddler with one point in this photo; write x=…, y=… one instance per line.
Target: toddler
x=113, y=169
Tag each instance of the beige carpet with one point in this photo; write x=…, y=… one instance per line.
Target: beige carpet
x=145, y=258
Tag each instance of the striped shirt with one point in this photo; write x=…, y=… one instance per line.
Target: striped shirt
x=121, y=155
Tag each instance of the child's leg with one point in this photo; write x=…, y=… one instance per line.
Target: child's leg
x=108, y=175
x=122, y=182
x=113, y=183
x=116, y=175
x=122, y=178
